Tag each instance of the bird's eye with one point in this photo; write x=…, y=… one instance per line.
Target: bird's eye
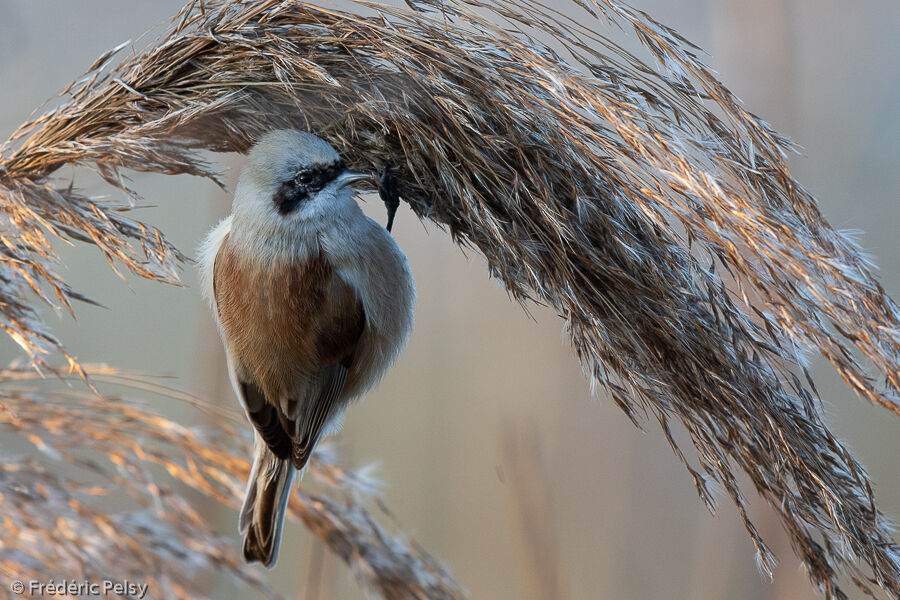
x=304, y=178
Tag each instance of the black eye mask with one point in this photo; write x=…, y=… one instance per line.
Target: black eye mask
x=305, y=184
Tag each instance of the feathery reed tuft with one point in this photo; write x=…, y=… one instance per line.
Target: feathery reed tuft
x=123, y=511
x=633, y=198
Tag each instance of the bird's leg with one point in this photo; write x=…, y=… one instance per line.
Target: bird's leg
x=387, y=189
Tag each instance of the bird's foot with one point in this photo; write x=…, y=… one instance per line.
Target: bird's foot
x=387, y=189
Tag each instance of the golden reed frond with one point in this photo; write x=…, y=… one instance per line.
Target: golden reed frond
x=122, y=511
x=607, y=187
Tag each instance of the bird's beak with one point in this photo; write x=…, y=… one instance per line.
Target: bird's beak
x=347, y=177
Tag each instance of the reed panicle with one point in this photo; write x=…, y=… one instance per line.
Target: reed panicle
x=642, y=201
x=126, y=507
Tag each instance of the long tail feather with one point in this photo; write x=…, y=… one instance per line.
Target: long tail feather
x=265, y=503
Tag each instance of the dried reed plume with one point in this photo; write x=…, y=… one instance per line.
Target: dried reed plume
x=145, y=528
x=591, y=180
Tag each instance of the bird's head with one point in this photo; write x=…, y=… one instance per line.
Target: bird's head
x=293, y=175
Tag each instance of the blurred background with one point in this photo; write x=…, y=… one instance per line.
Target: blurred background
x=494, y=452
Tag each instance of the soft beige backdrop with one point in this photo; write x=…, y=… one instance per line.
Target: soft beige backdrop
x=495, y=455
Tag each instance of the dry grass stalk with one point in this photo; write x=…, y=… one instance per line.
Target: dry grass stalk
x=603, y=186
x=530, y=494
x=123, y=509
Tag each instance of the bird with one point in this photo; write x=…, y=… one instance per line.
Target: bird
x=313, y=301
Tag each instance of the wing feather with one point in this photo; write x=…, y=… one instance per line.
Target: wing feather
x=320, y=406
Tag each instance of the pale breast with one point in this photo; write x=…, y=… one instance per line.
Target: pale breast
x=286, y=319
